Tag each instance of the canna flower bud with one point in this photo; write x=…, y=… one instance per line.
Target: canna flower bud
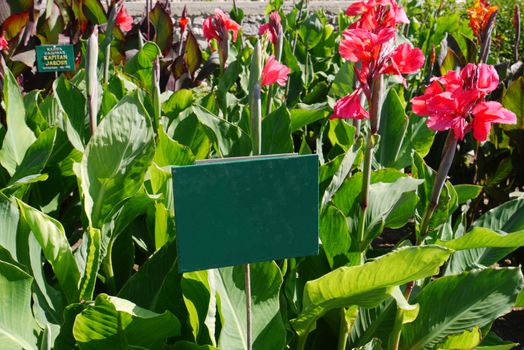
x=91, y=78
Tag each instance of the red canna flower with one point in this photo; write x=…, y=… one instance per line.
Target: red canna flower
x=350, y=107
x=274, y=72
x=404, y=60
x=218, y=26
x=4, y=45
x=124, y=21
x=457, y=101
x=377, y=14
x=272, y=28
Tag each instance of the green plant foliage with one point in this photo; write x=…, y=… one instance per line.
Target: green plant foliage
x=115, y=323
x=478, y=298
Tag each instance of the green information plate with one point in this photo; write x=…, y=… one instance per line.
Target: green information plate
x=55, y=58
x=244, y=210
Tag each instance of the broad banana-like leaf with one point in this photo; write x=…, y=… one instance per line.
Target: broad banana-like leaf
x=453, y=304
x=114, y=323
x=366, y=285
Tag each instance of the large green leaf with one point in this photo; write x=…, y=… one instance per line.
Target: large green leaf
x=311, y=30
x=51, y=236
x=18, y=137
x=276, y=132
x=513, y=100
x=504, y=219
x=334, y=234
x=114, y=323
x=116, y=159
x=229, y=138
x=140, y=66
x=303, y=114
x=366, y=285
x=453, y=304
x=16, y=320
x=177, y=102
x=169, y=152
x=73, y=103
x=268, y=328
x=480, y=237
x=468, y=339
x=392, y=129
x=36, y=156
x=200, y=302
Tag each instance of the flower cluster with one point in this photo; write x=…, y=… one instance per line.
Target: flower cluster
x=274, y=72
x=370, y=42
x=479, y=15
x=457, y=101
x=218, y=26
x=272, y=28
x=123, y=20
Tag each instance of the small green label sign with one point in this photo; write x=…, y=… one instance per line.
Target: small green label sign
x=55, y=58
x=245, y=210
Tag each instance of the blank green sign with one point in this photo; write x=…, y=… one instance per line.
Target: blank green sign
x=233, y=212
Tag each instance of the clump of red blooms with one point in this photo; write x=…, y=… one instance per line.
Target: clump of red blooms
x=479, y=15
x=457, y=101
x=370, y=42
x=274, y=72
x=124, y=21
x=272, y=28
x=218, y=26
x=4, y=45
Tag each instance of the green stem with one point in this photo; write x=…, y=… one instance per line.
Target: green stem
x=447, y=159
x=394, y=339
x=366, y=180
x=343, y=332
x=107, y=266
x=269, y=102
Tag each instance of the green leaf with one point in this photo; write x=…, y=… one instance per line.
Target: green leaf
x=18, y=137
x=268, y=328
x=200, y=303
x=190, y=132
x=163, y=25
x=169, y=152
x=394, y=123
x=366, y=285
x=493, y=342
x=16, y=319
x=114, y=323
x=480, y=237
x=36, y=156
x=520, y=299
x=311, y=31
x=341, y=133
x=467, y=192
x=51, y=237
x=185, y=345
x=504, y=219
x=343, y=83
x=418, y=138
x=116, y=159
x=513, y=100
x=140, y=66
x=276, y=132
x=468, y=339
x=464, y=301
x=92, y=264
x=303, y=114
x=334, y=234
x=229, y=138
x=177, y=102
x=94, y=11
x=73, y=103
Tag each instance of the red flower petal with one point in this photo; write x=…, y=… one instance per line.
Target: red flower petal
x=274, y=72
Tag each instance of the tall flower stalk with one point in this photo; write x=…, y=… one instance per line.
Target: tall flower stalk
x=218, y=27
x=370, y=44
x=92, y=78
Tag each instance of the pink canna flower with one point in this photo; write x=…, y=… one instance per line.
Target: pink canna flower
x=124, y=21
x=376, y=14
x=274, y=72
x=4, y=45
x=218, y=26
x=272, y=28
x=404, y=60
x=457, y=101
x=349, y=107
